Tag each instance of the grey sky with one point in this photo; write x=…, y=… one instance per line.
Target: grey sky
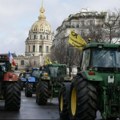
x=17, y=17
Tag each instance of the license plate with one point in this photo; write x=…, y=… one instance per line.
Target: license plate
x=110, y=79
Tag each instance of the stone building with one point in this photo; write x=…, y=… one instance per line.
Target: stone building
x=81, y=22
x=38, y=43
x=39, y=40
x=87, y=23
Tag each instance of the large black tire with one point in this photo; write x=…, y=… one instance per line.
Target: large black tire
x=28, y=90
x=42, y=93
x=63, y=101
x=12, y=96
x=83, y=100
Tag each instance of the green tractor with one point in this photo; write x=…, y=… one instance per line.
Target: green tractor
x=50, y=81
x=10, y=90
x=95, y=87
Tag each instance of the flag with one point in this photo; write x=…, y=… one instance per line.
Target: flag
x=76, y=40
x=11, y=59
x=75, y=44
x=47, y=61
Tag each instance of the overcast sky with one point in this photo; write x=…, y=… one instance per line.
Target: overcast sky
x=17, y=17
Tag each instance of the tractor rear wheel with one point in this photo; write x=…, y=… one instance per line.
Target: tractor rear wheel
x=42, y=93
x=12, y=96
x=63, y=102
x=83, y=100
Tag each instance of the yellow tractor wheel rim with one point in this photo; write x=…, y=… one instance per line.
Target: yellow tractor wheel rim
x=73, y=101
x=61, y=103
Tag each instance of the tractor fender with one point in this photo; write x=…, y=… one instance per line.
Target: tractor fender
x=10, y=76
x=88, y=77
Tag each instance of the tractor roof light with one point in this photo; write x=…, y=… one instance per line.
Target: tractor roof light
x=100, y=46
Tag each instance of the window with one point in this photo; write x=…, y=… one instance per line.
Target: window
x=35, y=37
x=35, y=62
x=30, y=37
x=47, y=37
x=106, y=58
x=40, y=48
x=77, y=26
x=119, y=22
x=40, y=36
x=91, y=22
x=82, y=23
x=29, y=49
x=73, y=26
x=82, y=33
x=33, y=48
x=22, y=62
x=85, y=59
x=47, y=49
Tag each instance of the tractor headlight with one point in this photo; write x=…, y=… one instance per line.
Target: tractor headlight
x=100, y=46
x=45, y=74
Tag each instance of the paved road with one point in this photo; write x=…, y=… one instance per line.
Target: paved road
x=30, y=110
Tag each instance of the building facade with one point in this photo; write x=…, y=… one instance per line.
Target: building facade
x=80, y=22
x=38, y=43
x=87, y=23
x=39, y=40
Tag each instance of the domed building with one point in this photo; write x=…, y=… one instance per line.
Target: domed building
x=40, y=38
x=38, y=43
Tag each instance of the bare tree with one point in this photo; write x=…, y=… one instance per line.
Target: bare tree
x=65, y=53
x=95, y=33
x=108, y=31
x=59, y=52
x=111, y=27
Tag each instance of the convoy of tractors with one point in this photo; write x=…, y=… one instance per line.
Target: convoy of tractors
x=96, y=86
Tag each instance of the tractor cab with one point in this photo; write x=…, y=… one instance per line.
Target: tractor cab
x=55, y=71
x=4, y=63
x=58, y=70
x=101, y=56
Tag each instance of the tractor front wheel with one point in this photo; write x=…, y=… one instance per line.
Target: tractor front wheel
x=63, y=101
x=42, y=93
x=83, y=100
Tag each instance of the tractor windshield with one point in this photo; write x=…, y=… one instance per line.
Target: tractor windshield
x=57, y=71
x=27, y=75
x=106, y=58
x=2, y=67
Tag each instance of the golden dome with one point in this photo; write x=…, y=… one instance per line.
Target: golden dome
x=42, y=24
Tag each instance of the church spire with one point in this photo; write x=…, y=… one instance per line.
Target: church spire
x=42, y=11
